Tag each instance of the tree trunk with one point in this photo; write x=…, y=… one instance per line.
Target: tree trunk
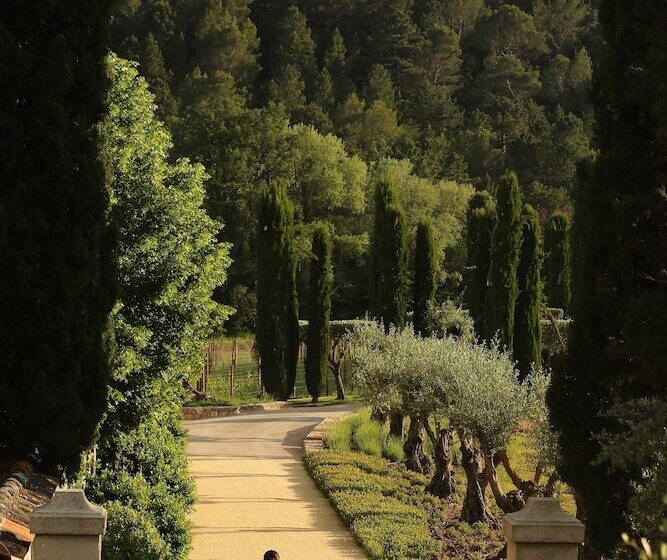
x=508, y=503
x=415, y=458
x=474, y=505
x=551, y=484
x=538, y=474
x=442, y=484
x=528, y=487
x=340, y=388
x=379, y=415
x=396, y=423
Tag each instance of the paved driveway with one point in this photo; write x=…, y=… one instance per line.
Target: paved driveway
x=254, y=494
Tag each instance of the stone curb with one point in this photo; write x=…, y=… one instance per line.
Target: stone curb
x=314, y=441
x=206, y=412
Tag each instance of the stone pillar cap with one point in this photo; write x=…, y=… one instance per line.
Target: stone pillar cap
x=68, y=513
x=543, y=521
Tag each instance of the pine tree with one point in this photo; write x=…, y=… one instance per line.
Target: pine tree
x=557, y=261
x=277, y=303
x=426, y=275
x=617, y=351
x=319, y=311
x=481, y=220
x=502, y=289
x=57, y=278
x=527, y=315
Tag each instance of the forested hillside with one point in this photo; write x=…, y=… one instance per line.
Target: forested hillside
x=319, y=95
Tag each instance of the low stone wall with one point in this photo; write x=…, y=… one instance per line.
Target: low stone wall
x=314, y=442
x=206, y=412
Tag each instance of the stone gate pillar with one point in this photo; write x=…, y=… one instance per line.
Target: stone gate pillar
x=69, y=527
x=542, y=531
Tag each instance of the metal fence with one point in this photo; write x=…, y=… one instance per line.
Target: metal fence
x=232, y=370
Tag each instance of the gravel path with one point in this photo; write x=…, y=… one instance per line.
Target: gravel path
x=253, y=491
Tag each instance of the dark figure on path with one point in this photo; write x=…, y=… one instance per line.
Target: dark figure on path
x=271, y=555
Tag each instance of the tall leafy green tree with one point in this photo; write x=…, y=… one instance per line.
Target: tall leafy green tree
x=617, y=354
x=170, y=263
x=502, y=289
x=557, y=261
x=481, y=221
x=319, y=312
x=277, y=303
x=426, y=274
x=527, y=315
x=58, y=274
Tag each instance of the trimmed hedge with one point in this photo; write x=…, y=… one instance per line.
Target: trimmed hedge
x=386, y=507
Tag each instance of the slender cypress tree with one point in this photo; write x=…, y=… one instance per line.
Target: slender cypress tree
x=57, y=277
x=395, y=268
x=481, y=220
x=319, y=311
x=527, y=315
x=502, y=288
x=385, y=194
x=557, y=261
x=277, y=303
x=426, y=274
x=617, y=350
x=389, y=258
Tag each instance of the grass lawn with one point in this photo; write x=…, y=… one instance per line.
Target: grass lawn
x=386, y=506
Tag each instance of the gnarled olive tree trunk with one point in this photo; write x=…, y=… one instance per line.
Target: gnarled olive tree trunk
x=474, y=505
x=442, y=484
x=396, y=423
x=415, y=458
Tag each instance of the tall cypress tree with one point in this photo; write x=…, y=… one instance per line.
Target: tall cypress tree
x=389, y=275
x=319, y=311
x=277, y=303
x=557, y=261
x=385, y=195
x=527, y=315
x=57, y=276
x=426, y=273
x=502, y=288
x=481, y=220
x=617, y=350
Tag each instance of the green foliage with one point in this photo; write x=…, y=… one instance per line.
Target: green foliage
x=130, y=531
x=368, y=437
x=528, y=312
x=426, y=274
x=277, y=304
x=56, y=246
x=617, y=354
x=502, y=289
x=386, y=509
x=449, y=319
x=319, y=311
x=481, y=221
x=557, y=261
x=169, y=259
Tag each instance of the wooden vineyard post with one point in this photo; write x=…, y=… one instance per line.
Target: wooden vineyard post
x=232, y=377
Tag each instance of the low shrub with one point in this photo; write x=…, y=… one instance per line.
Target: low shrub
x=130, y=532
x=392, y=449
x=339, y=436
x=353, y=505
x=349, y=478
x=386, y=507
x=369, y=438
x=392, y=539
x=371, y=465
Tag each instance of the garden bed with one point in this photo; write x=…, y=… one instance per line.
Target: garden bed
x=386, y=506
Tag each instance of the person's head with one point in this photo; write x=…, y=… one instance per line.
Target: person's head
x=271, y=555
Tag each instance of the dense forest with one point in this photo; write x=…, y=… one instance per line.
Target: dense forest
x=330, y=97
